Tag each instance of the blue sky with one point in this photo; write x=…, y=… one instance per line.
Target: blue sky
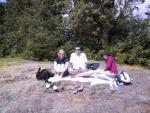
x=2, y=0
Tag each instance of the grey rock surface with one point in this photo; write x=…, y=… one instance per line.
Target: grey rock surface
x=20, y=92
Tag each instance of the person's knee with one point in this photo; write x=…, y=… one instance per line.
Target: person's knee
x=72, y=71
x=62, y=66
x=91, y=72
x=58, y=68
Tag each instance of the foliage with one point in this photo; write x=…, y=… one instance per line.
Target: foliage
x=36, y=29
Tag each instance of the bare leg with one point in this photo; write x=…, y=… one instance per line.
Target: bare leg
x=85, y=74
x=72, y=71
x=104, y=76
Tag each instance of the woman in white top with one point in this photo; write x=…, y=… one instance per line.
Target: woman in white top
x=61, y=64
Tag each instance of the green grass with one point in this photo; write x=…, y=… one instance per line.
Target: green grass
x=8, y=61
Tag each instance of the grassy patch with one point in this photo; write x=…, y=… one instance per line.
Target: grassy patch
x=132, y=66
x=8, y=61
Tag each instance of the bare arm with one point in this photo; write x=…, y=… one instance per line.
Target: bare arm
x=55, y=65
x=65, y=67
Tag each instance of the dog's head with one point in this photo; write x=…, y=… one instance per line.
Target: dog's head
x=38, y=74
x=49, y=72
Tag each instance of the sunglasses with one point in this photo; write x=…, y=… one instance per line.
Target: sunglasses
x=77, y=49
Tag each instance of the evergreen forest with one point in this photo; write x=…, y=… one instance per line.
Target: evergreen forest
x=36, y=29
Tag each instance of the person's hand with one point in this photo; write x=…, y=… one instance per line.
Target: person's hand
x=99, y=70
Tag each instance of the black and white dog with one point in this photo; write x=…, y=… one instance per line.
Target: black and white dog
x=44, y=74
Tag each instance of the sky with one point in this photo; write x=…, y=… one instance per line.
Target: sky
x=2, y=0
x=143, y=8
x=141, y=11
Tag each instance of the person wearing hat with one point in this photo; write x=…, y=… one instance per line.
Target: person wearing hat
x=110, y=67
x=61, y=64
x=110, y=70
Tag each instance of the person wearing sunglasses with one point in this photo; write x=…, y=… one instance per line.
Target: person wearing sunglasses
x=61, y=64
x=78, y=62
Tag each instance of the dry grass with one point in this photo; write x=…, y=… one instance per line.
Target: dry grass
x=8, y=61
x=132, y=66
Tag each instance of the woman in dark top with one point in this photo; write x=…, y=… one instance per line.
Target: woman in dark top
x=61, y=64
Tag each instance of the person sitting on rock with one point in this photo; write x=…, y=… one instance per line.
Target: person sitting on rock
x=110, y=67
x=61, y=64
x=109, y=72
x=78, y=62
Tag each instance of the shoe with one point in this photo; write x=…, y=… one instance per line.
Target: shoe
x=113, y=86
x=55, y=88
x=120, y=83
x=80, y=88
x=74, y=89
x=48, y=85
x=131, y=81
x=77, y=88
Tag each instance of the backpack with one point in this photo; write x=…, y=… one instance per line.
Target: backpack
x=123, y=77
x=92, y=66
